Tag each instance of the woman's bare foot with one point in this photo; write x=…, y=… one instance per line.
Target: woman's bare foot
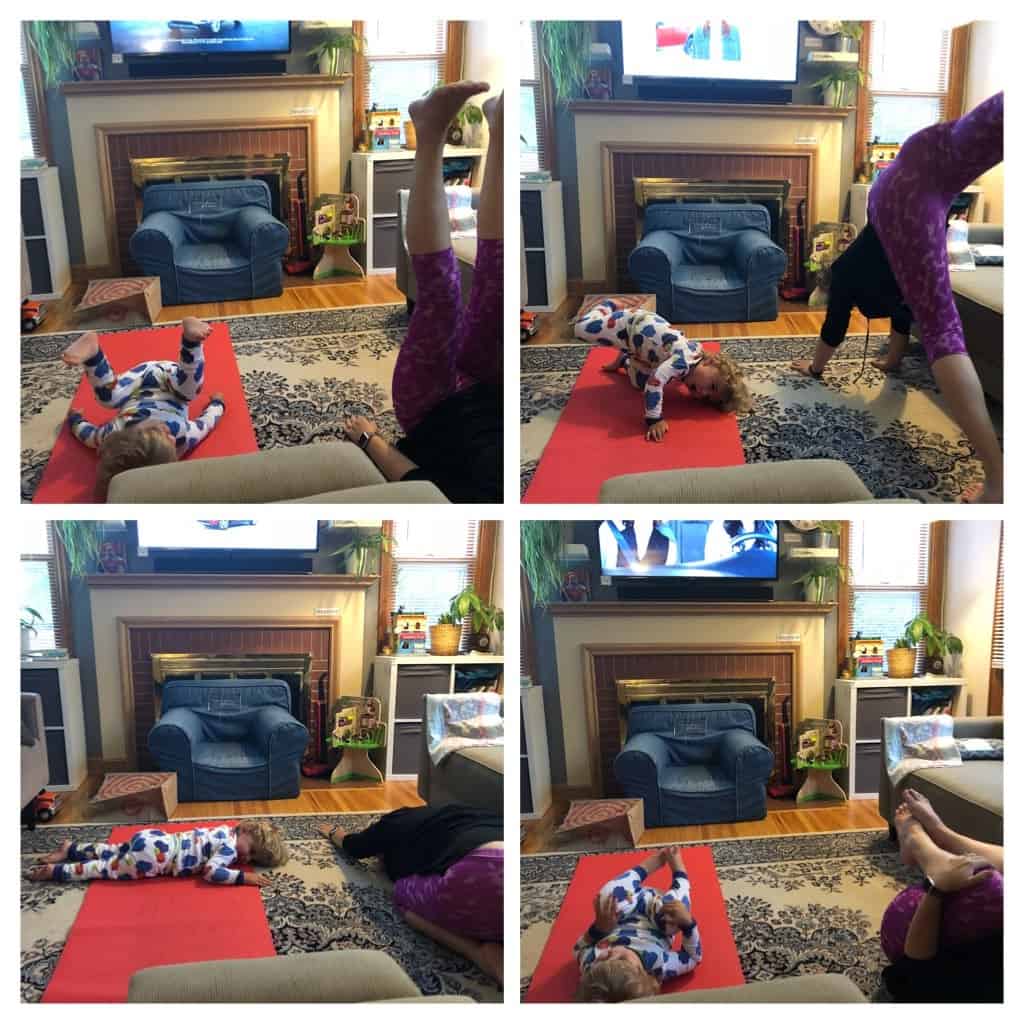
x=907, y=829
x=194, y=329
x=488, y=956
x=805, y=367
x=886, y=363
x=432, y=114
x=41, y=872
x=490, y=959
x=82, y=348
x=58, y=856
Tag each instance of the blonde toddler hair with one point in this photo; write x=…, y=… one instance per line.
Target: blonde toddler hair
x=735, y=393
x=269, y=849
x=129, y=449
x=615, y=981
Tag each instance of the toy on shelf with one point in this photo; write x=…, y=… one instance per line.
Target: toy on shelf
x=358, y=729
x=384, y=128
x=336, y=227
x=409, y=632
x=868, y=654
x=820, y=750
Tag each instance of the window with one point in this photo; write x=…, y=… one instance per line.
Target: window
x=533, y=137
x=44, y=584
x=997, y=621
x=889, y=562
x=401, y=59
x=31, y=107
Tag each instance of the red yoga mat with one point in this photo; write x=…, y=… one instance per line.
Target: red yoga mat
x=557, y=976
x=123, y=927
x=70, y=475
x=600, y=434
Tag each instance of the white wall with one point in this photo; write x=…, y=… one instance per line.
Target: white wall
x=971, y=563
x=483, y=59
x=985, y=76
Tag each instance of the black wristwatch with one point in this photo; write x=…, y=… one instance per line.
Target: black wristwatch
x=364, y=440
x=929, y=887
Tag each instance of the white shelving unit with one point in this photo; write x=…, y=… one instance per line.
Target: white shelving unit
x=400, y=683
x=44, y=236
x=861, y=704
x=543, y=238
x=534, y=762
x=57, y=683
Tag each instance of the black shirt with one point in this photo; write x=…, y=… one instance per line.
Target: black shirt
x=971, y=973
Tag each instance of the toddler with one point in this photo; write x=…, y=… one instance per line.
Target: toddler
x=627, y=952
x=208, y=852
x=152, y=425
x=654, y=353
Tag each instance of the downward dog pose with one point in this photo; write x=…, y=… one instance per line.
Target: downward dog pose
x=206, y=852
x=898, y=267
x=152, y=425
x=627, y=952
x=447, y=382
x=654, y=354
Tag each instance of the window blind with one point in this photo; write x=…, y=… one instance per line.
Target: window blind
x=533, y=154
x=30, y=123
x=908, y=85
x=889, y=564
x=42, y=584
x=997, y=620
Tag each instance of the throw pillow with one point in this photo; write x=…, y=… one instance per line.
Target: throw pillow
x=481, y=727
x=986, y=255
x=938, y=748
x=980, y=750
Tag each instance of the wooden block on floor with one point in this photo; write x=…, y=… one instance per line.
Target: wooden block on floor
x=630, y=300
x=134, y=796
x=120, y=302
x=623, y=817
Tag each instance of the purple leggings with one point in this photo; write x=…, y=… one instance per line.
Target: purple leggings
x=447, y=347
x=967, y=916
x=908, y=206
x=468, y=899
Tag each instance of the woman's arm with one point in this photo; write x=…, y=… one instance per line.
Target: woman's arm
x=388, y=459
x=922, y=942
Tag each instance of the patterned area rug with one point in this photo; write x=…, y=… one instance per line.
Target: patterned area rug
x=302, y=373
x=320, y=900
x=797, y=904
x=895, y=431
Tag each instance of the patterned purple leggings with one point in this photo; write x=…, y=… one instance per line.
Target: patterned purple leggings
x=908, y=206
x=968, y=915
x=468, y=899
x=447, y=347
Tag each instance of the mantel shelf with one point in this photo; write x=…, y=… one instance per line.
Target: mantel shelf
x=130, y=86
x=255, y=581
x=804, y=112
x=604, y=609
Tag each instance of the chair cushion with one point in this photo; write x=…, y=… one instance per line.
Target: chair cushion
x=695, y=780
x=228, y=756
x=708, y=277
x=212, y=257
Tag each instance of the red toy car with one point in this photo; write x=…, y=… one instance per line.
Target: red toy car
x=32, y=315
x=528, y=326
x=46, y=805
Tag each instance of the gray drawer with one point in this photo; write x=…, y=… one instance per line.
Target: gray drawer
x=385, y=242
x=406, y=757
x=388, y=177
x=45, y=682
x=876, y=704
x=525, y=793
x=532, y=215
x=414, y=683
x=869, y=765
x=58, y=757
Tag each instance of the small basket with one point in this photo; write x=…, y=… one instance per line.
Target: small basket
x=901, y=662
x=444, y=639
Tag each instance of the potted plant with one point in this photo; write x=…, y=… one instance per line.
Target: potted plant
x=565, y=49
x=29, y=617
x=330, y=50
x=361, y=555
x=540, y=555
x=445, y=636
x=937, y=642
x=850, y=32
x=54, y=43
x=484, y=618
x=821, y=581
x=825, y=531
x=464, y=125
x=901, y=658
x=835, y=82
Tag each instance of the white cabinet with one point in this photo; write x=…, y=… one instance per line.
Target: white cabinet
x=543, y=238
x=44, y=237
x=57, y=683
x=534, y=764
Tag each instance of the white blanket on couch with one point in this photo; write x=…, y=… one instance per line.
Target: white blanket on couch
x=922, y=741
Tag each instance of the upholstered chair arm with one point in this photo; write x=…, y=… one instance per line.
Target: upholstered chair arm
x=637, y=768
x=743, y=755
x=274, y=729
x=158, y=235
x=256, y=230
x=658, y=252
x=757, y=257
x=177, y=730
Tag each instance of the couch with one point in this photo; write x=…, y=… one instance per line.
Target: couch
x=978, y=295
x=333, y=976
x=474, y=776
x=709, y=262
x=801, y=988
x=693, y=764
x=464, y=248
x=968, y=797
x=210, y=241
x=35, y=764
x=229, y=739
x=336, y=473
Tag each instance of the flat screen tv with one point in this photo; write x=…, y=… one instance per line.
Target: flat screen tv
x=229, y=535
x=689, y=549
x=179, y=37
x=701, y=49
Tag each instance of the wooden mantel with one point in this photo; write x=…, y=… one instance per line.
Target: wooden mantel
x=207, y=581
x=604, y=609
x=805, y=112
x=132, y=86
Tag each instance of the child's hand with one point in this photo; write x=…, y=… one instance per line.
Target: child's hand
x=676, y=913
x=605, y=916
x=254, y=878
x=656, y=431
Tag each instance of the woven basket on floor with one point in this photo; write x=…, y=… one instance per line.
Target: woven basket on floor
x=444, y=640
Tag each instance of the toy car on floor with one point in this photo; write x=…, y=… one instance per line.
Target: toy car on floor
x=528, y=326
x=32, y=315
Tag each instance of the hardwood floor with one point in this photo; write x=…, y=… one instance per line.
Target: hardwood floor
x=301, y=293
x=317, y=796
x=794, y=319
x=784, y=819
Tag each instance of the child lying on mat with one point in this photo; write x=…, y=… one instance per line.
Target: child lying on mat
x=152, y=425
x=627, y=952
x=208, y=852
x=654, y=354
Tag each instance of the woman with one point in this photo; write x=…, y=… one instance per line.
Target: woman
x=447, y=864
x=447, y=384
x=898, y=268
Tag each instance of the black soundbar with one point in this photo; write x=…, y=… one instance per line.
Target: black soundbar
x=692, y=590
x=242, y=562
x=215, y=67
x=713, y=92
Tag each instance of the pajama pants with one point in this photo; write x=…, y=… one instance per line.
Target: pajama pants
x=447, y=347
x=468, y=899
x=146, y=855
x=908, y=206
x=967, y=916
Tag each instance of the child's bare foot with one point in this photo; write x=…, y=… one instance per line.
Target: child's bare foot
x=57, y=856
x=907, y=829
x=41, y=872
x=432, y=114
x=494, y=111
x=82, y=348
x=194, y=329
x=674, y=858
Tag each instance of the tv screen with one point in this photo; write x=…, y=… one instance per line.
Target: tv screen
x=229, y=535
x=740, y=49
x=742, y=549
x=188, y=38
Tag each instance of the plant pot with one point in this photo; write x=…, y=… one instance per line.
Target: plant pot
x=329, y=62
x=901, y=662
x=935, y=665
x=480, y=642
x=27, y=636
x=410, y=134
x=954, y=665
x=444, y=640
x=847, y=44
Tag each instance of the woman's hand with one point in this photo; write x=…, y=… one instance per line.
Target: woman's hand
x=960, y=873
x=605, y=916
x=356, y=426
x=656, y=431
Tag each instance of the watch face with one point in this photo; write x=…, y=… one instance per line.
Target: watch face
x=804, y=525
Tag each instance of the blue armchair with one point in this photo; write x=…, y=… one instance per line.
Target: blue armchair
x=709, y=262
x=229, y=739
x=210, y=241
x=694, y=764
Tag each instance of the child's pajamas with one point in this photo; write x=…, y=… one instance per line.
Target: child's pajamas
x=642, y=927
x=208, y=852
x=154, y=391
x=653, y=351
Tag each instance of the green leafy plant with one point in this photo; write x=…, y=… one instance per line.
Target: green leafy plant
x=852, y=29
x=838, y=78
x=937, y=642
x=362, y=552
x=540, y=555
x=484, y=617
x=832, y=526
x=333, y=46
x=447, y=619
x=81, y=539
x=821, y=580
x=565, y=49
x=29, y=618
x=903, y=643
x=54, y=43
x=469, y=114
